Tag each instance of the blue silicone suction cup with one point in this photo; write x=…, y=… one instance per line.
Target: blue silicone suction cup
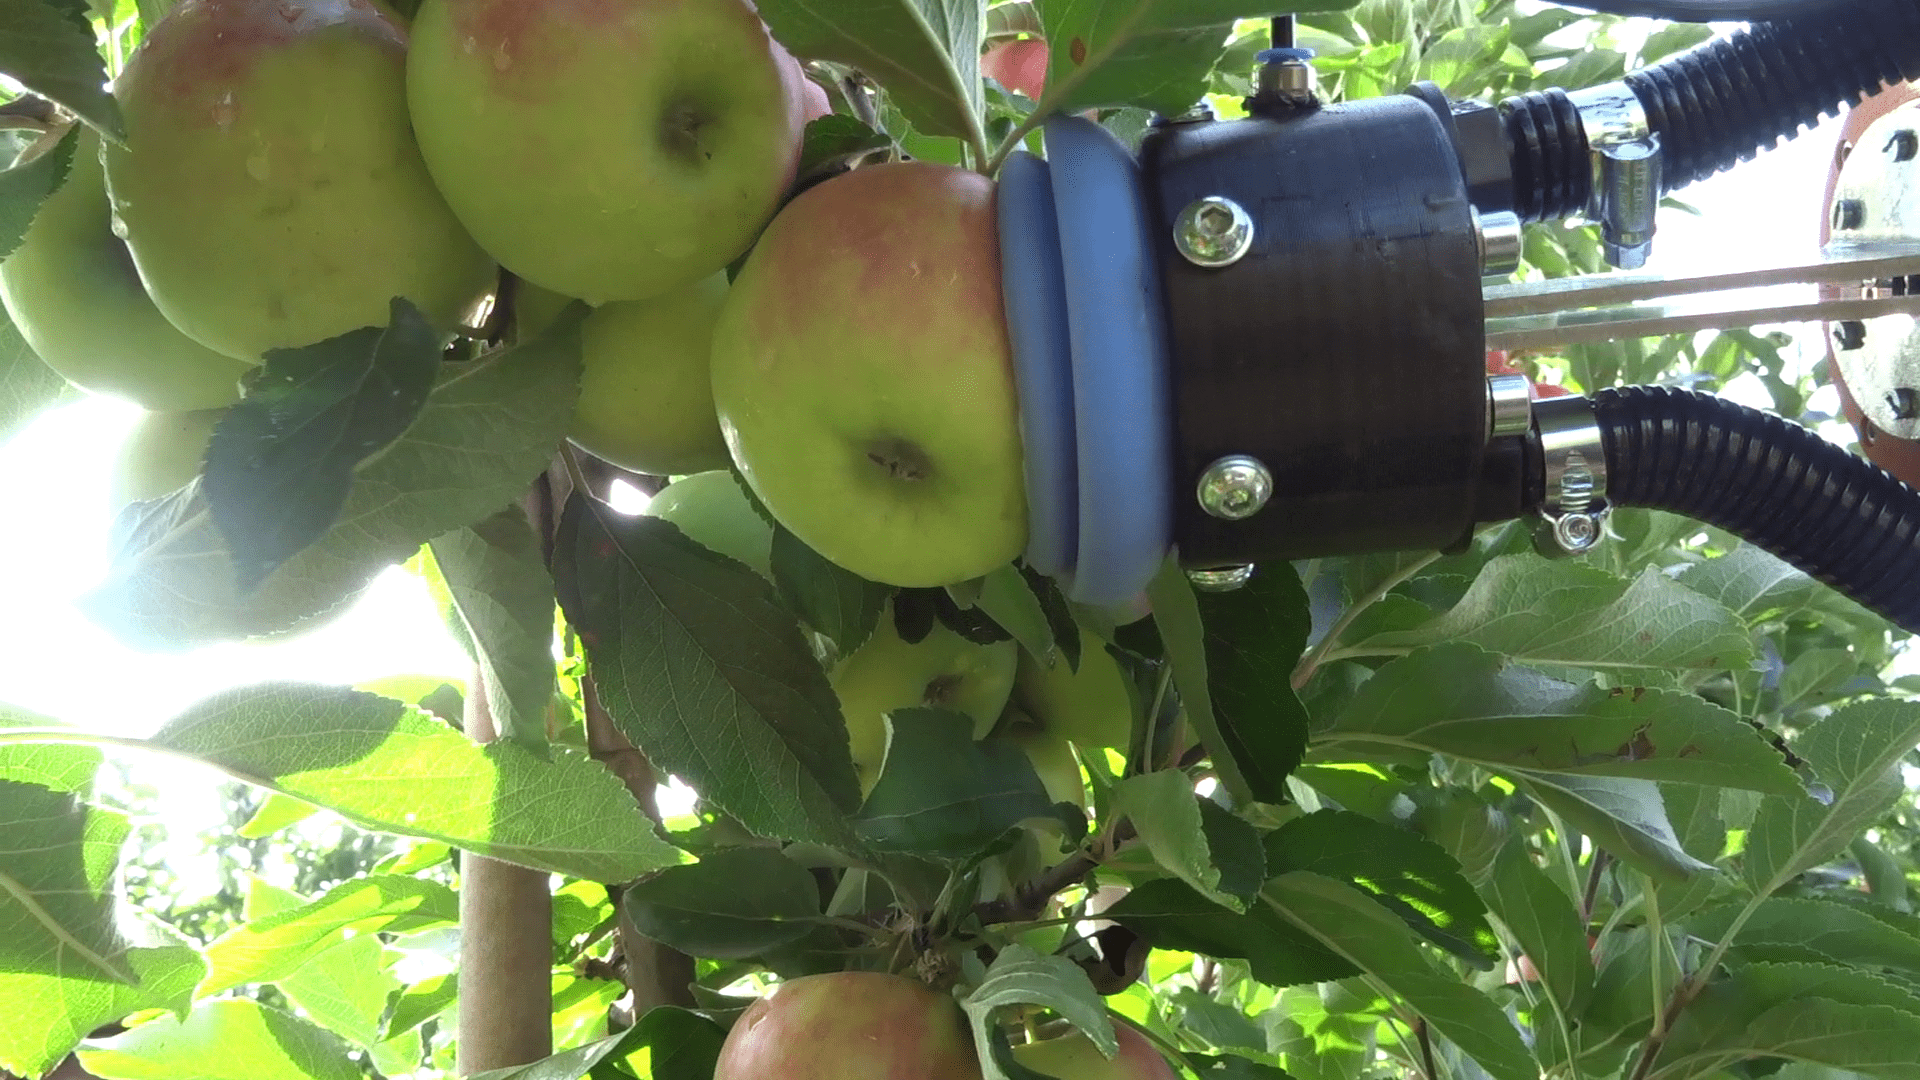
x=1035, y=295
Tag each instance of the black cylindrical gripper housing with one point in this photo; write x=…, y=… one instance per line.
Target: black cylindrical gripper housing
x=1345, y=351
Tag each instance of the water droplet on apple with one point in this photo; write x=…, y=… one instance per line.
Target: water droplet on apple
x=257, y=166
x=470, y=46
x=502, y=60
x=224, y=111
x=118, y=224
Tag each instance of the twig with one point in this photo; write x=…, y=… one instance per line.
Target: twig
x=1029, y=900
x=1595, y=871
x=1425, y=1038
x=1312, y=661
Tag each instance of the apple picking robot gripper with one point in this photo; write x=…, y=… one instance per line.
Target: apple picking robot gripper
x=1265, y=338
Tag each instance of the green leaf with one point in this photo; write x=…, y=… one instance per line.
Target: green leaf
x=1176, y=616
x=57, y=860
x=1628, y=818
x=1408, y=874
x=690, y=652
x=282, y=461
x=1373, y=939
x=943, y=796
x=833, y=143
x=344, y=989
x=1255, y=636
x=1152, y=53
x=1458, y=820
x=834, y=601
x=278, y=812
x=62, y=768
x=229, y=1039
x=24, y=186
x=1231, y=1067
x=1863, y=935
x=1544, y=921
x=1172, y=915
x=48, y=1015
x=1007, y=597
x=1544, y=611
x=391, y=767
x=1805, y=1012
x=54, y=56
x=28, y=387
x=730, y=905
x=276, y=946
x=1469, y=703
x=1855, y=755
x=496, y=574
x=421, y=1002
x=488, y=429
x=1757, y=585
x=925, y=53
x=1020, y=976
x=677, y=1045
x=1216, y=853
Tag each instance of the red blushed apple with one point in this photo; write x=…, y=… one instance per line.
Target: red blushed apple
x=1500, y=363
x=852, y=1025
x=863, y=379
x=1020, y=66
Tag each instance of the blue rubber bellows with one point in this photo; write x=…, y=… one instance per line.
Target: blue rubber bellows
x=1084, y=321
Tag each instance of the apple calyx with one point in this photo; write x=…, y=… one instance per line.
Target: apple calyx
x=900, y=459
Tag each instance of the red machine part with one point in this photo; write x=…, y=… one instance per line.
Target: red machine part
x=1901, y=457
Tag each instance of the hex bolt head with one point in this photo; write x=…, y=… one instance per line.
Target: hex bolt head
x=1849, y=334
x=1213, y=232
x=1235, y=488
x=1904, y=146
x=1849, y=214
x=1221, y=578
x=1905, y=403
x=1576, y=533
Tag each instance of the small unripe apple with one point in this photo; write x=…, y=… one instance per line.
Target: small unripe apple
x=851, y=1025
x=646, y=384
x=270, y=188
x=1074, y=1057
x=863, y=378
x=606, y=149
x=941, y=670
x=1050, y=753
x=1092, y=706
x=161, y=455
x=711, y=508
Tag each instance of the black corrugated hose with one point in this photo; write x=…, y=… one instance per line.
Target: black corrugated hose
x=1721, y=103
x=1774, y=484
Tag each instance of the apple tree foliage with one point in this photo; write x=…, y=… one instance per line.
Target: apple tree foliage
x=1643, y=815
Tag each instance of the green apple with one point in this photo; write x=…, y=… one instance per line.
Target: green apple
x=646, y=388
x=850, y=1025
x=711, y=508
x=161, y=455
x=942, y=669
x=72, y=290
x=863, y=378
x=1051, y=754
x=1093, y=706
x=1074, y=1057
x=608, y=151
x=270, y=188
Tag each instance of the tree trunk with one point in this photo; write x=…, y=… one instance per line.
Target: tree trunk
x=506, y=946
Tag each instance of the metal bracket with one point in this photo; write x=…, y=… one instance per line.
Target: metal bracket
x=1574, y=509
x=1627, y=171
